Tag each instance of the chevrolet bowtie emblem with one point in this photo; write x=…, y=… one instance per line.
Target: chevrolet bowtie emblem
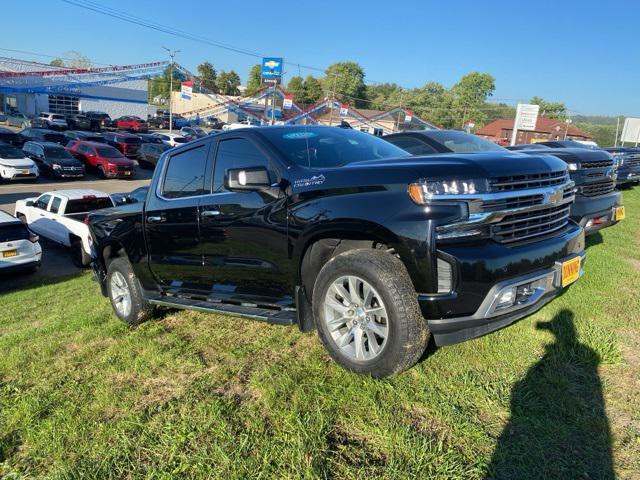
x=556, y=196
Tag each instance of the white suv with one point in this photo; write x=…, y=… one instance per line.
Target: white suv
x=54, y=120
x=15, y=165
x=19, y=248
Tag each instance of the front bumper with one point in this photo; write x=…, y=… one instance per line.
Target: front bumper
x=628, y=176
x=483, y=269
x=11, y=173
x=596, y=213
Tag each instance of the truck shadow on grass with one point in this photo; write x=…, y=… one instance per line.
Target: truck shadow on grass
x=558, y=426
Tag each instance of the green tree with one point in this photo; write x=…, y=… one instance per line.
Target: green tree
x=312, y=90
x=550, y=109
x=296, y=88
x=159, y=86
x=228, y=82
x=208, y=76
x=380, y=95
x=346, y=80
x=433, y=102
x=57, y=62
x=470, y=95
x=254, y=82
x=77, y=60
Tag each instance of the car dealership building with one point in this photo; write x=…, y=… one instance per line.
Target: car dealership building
x=32, y=87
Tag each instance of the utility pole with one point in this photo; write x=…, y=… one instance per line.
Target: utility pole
x=172, y=54
x=331, y=99
x=566, y=130
x=617, y=130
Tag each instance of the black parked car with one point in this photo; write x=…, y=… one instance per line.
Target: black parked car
x=149, y=153
x=44, y=135
x=79, y=121
x=54, y=160
x=340, y=231
x=87, y=136
x=99, y=120
x=11, y=137
x=597, y=204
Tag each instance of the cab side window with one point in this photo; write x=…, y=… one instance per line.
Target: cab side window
x=42, y=202
x=55, y=205
x=236, y=153
x=185, y=174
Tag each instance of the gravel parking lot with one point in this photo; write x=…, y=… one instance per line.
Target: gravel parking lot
x=56, y=260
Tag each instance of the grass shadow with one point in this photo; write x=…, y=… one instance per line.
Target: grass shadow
x=558, y=426
x=594, y=239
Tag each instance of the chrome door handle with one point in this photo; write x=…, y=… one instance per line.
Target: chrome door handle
x=154, y=219
x=209, y=213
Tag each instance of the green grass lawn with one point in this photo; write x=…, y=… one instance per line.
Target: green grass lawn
x=190, y=395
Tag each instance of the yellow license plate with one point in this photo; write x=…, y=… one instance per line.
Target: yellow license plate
x=9, y=253
x=620, y=214
x=127, y=173
x=25, y=172
x=570, y=271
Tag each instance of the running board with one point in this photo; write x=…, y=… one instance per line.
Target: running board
x=278, y=317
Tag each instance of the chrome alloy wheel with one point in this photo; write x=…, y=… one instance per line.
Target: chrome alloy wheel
x=120, y=294
x=356, y=318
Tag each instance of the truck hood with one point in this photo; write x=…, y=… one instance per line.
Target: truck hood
x=17, y=162
x=476, y=165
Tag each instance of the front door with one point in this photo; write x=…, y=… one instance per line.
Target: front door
x=244, y=233
x=172, y=220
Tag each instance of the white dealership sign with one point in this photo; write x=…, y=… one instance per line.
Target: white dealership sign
x=631, y=130
x=526, y=118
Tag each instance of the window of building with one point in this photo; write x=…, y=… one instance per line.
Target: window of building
x=63, y=104
x=235, y=153
x=185, y=174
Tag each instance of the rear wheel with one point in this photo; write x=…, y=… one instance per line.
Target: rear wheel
x=367, y=313
x=81, y=259
x=125, y=293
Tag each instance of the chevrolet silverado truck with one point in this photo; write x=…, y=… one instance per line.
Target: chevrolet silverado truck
x=597, y=203
x=628, y=165
x=60, y=216
x=340, y=231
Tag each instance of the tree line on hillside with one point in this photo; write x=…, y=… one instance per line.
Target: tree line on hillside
x=467, y=101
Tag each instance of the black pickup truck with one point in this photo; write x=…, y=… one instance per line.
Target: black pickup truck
x=340, y=231
x=597, y=203
x=628, y=165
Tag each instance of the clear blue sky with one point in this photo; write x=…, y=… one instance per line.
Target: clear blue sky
x=564, y=50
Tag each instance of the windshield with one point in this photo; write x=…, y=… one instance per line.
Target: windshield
x=108, y=152
x=56, y=153
x=87, y=205
x=325, y=147
x=462, y=142
x=10, y=153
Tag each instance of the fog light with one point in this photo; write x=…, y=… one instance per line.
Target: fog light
x=506, y=298
x=445, y=276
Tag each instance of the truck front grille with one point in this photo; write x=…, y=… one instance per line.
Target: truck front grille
x=632, y=162
x=522, y=182
x=597, y=164
x=535, y=223
x=599, y=188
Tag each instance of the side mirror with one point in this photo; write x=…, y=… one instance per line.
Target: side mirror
x=29, y=203
x=255, y=178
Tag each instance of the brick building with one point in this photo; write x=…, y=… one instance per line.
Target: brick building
x=546, y=129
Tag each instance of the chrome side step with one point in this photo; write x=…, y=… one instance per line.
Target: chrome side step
x=278, y=317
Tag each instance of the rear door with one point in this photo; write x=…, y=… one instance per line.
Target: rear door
x=172, y=221
x=244, y=233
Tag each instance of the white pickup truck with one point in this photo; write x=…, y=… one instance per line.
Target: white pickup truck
x=59, y=216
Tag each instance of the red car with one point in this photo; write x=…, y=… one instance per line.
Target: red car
x=107, y=160
x=135, y=124
x=127, y=143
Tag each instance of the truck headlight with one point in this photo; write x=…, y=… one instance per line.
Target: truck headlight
x=421, y=192
x=55, y=166
x=572, y=166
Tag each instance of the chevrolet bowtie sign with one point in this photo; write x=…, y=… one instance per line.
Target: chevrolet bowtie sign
x=271, y=69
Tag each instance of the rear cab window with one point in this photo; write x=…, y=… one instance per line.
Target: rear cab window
x=87, y=204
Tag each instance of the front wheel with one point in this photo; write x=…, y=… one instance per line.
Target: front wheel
x=367, y=313
x=125, y=293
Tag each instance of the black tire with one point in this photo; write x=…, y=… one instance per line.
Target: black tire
x=81, y=259
x=140, y=310
x=101, y=173
x=408, y=333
